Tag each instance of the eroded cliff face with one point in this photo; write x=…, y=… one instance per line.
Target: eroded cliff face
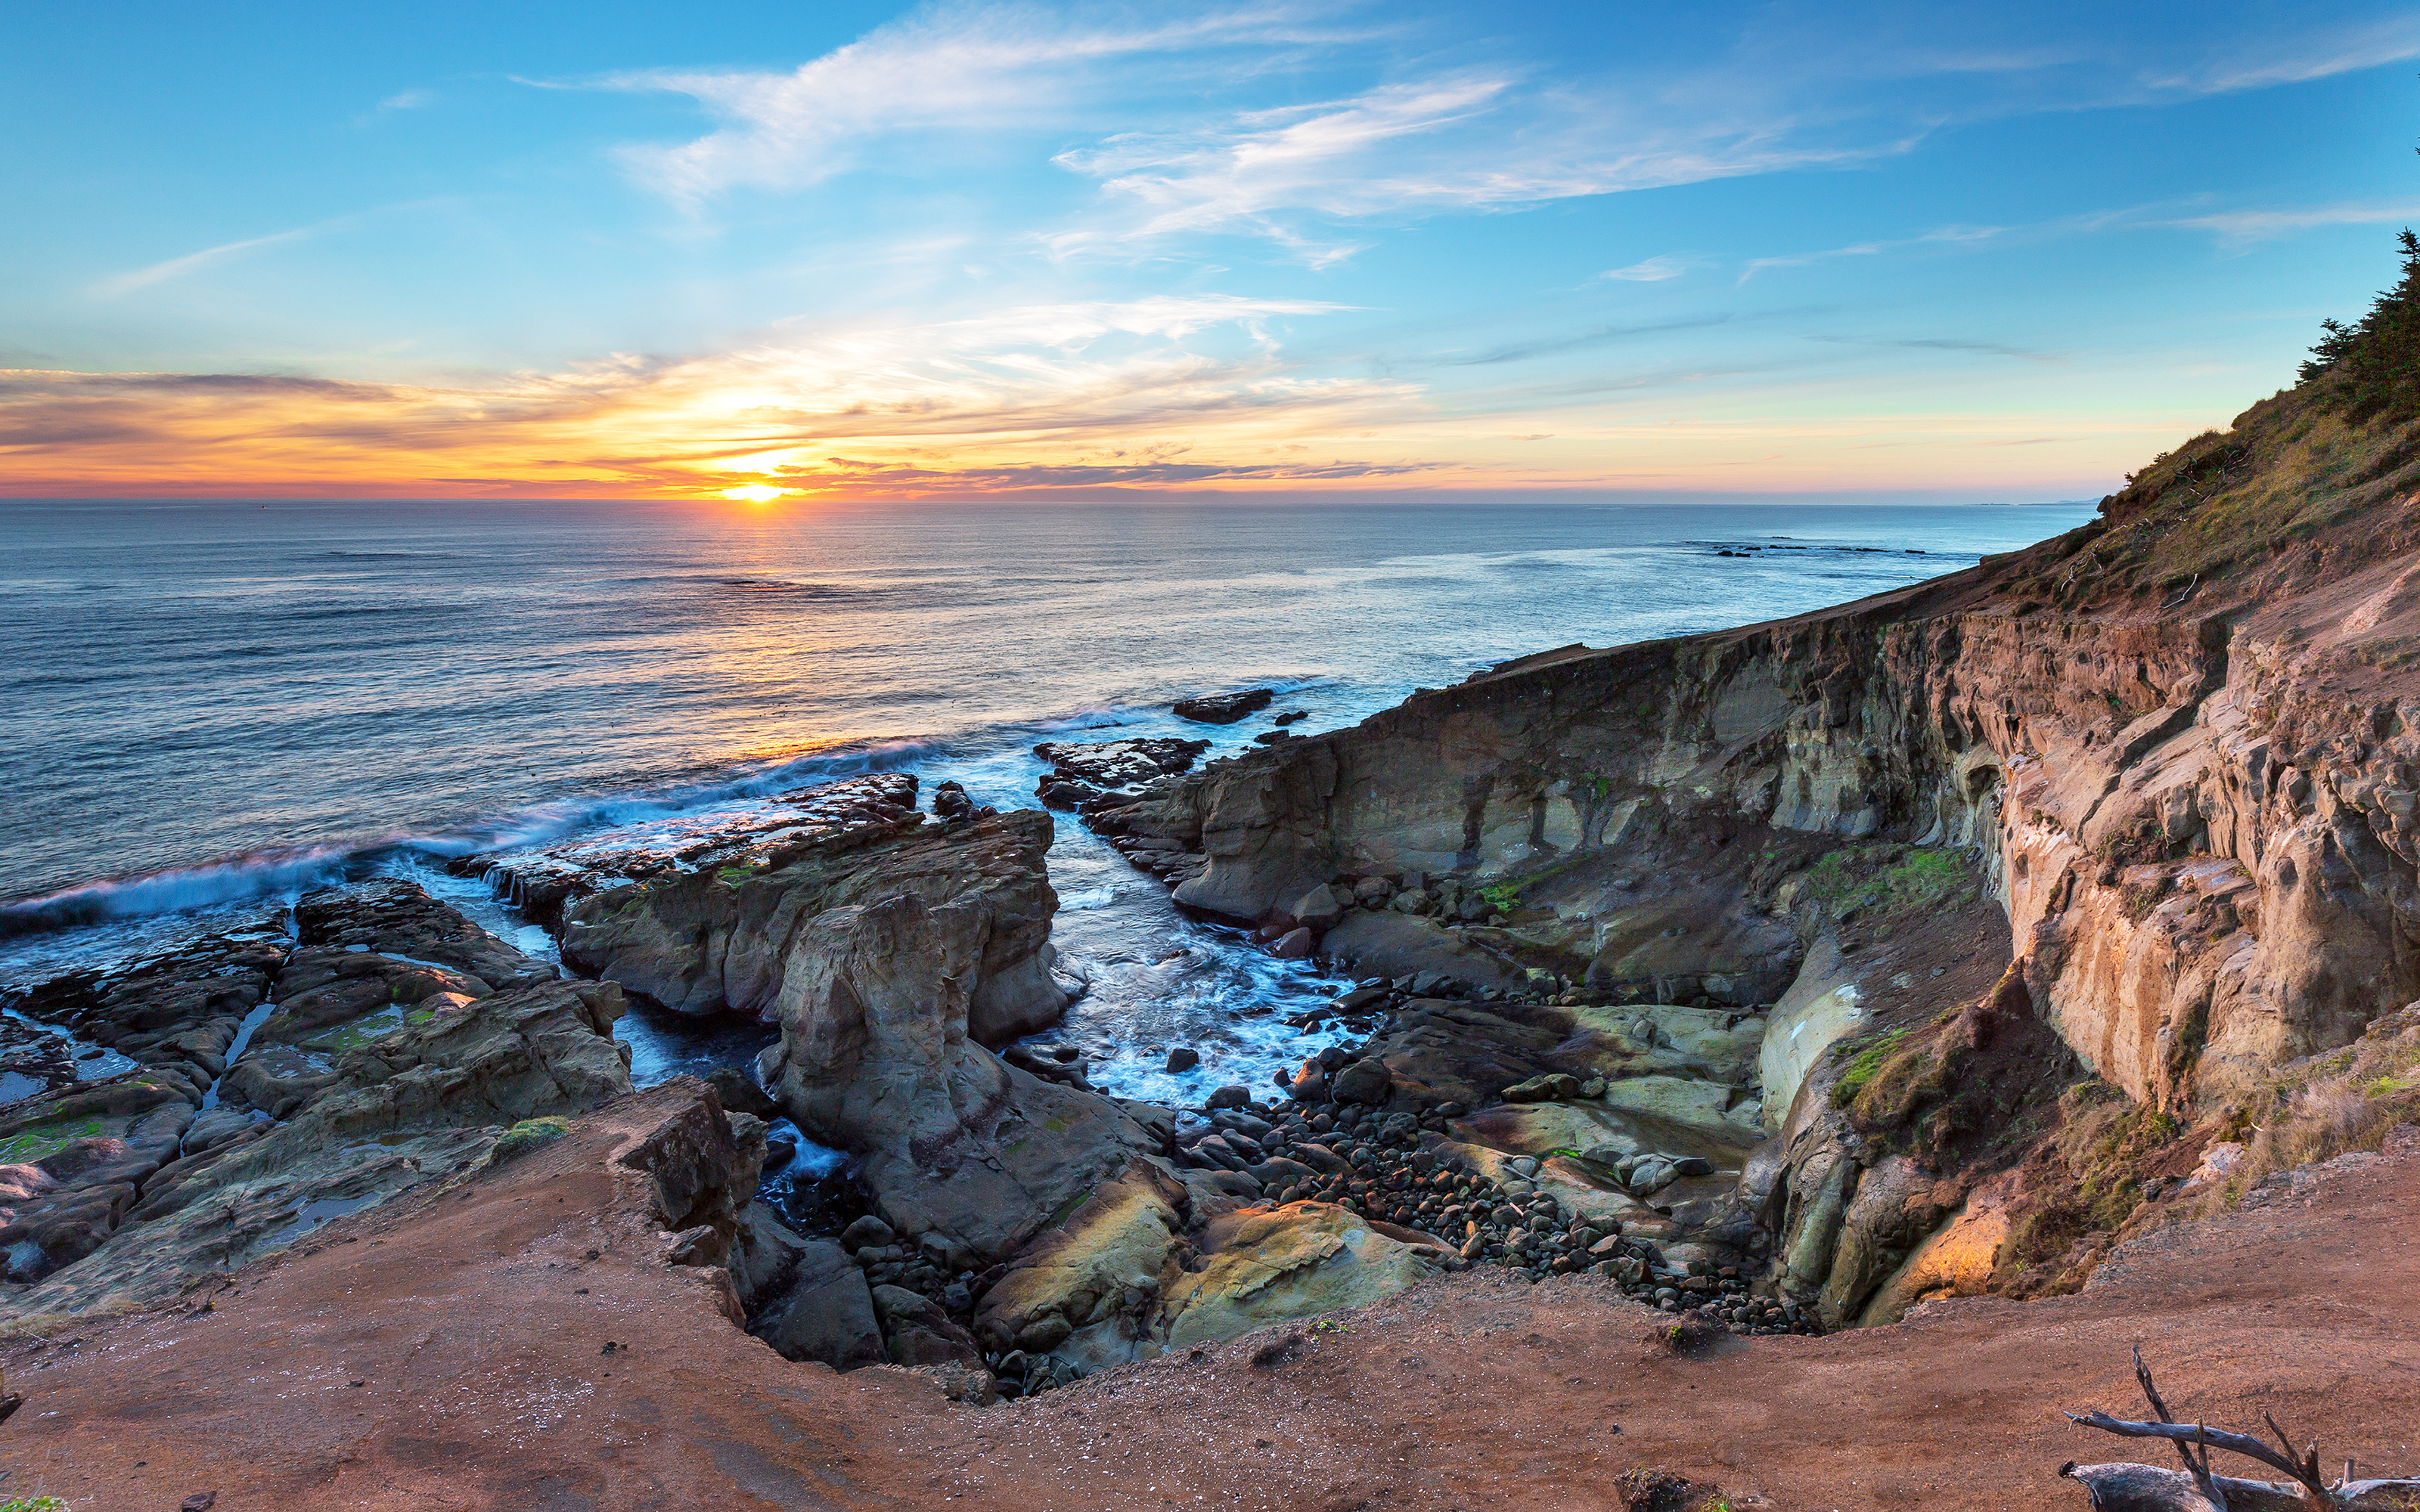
x=2199, y=820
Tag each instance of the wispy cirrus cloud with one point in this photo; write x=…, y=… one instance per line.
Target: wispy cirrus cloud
x=1650, y=270
x=1953, y=235
x=2295, y=54
x=161, y=272
x=2248, y=226
x=969, y=68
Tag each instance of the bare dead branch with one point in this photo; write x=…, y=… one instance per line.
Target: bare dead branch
x=2196, y=1466
x=2244, y=1444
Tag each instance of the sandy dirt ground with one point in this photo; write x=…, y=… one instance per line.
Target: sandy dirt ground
x=516, y=1343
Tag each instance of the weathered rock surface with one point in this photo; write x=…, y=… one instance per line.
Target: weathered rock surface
x=1133, y=1272
x=401, y=920
x=120, y=1194
x=175, y=1014
x=730, y=936
x=877, y=1058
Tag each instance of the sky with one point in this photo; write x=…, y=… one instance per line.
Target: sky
x=1293, y=251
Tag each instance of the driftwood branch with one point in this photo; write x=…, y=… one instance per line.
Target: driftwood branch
x=2142, y=1488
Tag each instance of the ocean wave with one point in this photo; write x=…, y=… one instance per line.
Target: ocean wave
x=182, y=889
x=289, y=870
x=285, y=871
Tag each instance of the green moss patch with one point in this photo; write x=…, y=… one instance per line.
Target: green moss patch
x=527, y=1135
x=44, y=1140
x=1892, y=878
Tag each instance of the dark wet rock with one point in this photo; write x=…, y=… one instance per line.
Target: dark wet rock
x=738, y=1092
x=920, y=1332
x=825, y=1312
x=400, y=919
x=1224, y=708
x=1082, y=775
x=1365, y=1081
x=765, y=1255
x=1182, y=1058
x=1048, y=1068
x=728, y=937
x=867, y=1232
x=1228, y=1097
x=1295, y=945
x=176, y=1014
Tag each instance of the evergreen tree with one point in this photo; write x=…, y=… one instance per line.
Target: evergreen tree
x=2378, y=359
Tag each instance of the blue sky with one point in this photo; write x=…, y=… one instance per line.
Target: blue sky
x=979, y=250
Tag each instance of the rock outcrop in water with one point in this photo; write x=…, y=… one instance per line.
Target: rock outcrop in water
x=546, y=879
x=724, y=936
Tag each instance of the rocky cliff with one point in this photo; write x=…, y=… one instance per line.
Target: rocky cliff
x=2174, y=745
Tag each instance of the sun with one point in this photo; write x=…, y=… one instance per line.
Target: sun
x=759, y=493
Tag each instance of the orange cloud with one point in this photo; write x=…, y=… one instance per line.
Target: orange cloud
x=1172, y=394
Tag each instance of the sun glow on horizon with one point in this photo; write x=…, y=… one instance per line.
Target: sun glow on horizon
x=759, y=493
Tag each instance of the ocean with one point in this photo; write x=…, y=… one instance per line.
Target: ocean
x=212, y=706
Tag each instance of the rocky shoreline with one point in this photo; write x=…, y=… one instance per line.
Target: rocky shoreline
x=1949, y=947
x=1010, y=1227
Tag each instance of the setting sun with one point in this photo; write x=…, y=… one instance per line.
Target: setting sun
x=759, y=493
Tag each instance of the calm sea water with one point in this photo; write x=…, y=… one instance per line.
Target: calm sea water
x=210, y=705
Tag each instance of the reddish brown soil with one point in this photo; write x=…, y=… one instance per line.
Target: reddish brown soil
x=484, y=1381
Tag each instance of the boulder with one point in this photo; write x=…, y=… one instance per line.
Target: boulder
x=1228, y=1097
x=738, y=1093
x=1365, y=1081
x=722, y=938
x=1182, y=1058
x=1295, y=945
x=765, y=1255
x=1319, y=908
x=1309, y=1084
x=867, y=1232
x=1554, y=1087
x=875, y=1059
x=1224, y=708
x=826, y=1313
x=920, y=1332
